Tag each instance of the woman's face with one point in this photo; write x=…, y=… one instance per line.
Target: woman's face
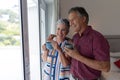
x=61, y=31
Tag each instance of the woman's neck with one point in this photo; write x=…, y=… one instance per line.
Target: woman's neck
x=59, y=40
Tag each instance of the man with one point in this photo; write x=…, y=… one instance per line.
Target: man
x=91, y=54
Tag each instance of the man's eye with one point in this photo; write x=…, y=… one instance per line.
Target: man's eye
x=63, y=30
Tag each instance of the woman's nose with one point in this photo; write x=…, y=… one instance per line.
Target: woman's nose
x=60, y=31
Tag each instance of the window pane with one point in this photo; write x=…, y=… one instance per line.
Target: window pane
x=11, y=57
x=43, y=33
x=42, y=20
x=34, y=40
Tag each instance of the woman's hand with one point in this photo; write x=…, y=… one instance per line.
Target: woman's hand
x=44, y=47
x=55, y=45
x=50, y=37
x=45, y=53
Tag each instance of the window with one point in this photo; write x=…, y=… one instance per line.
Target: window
x=43, y=27
x=24, y=26
x=47, y=20
x=11, y=56
x=34, y=39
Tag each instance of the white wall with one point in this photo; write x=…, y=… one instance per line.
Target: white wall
x=104, y=14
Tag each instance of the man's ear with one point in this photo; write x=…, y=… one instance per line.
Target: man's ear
x=68, y=32
x=84, y=19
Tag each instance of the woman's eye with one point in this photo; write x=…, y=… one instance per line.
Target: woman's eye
x=61, y=29
x=58, y=28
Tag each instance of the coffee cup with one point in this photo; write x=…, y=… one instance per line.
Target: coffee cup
x=69, y=45
x=49, y=45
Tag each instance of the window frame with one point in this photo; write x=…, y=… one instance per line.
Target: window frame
x=25, y=40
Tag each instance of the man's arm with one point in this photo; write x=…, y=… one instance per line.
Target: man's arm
x=95, y=64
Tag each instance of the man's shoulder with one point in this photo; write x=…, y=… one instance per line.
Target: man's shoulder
x=96, y=34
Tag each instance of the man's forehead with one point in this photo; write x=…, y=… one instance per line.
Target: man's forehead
x=72, y=15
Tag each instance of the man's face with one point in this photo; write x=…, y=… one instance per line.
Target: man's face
x=75, y=21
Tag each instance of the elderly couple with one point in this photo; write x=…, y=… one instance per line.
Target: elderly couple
x=89, y=57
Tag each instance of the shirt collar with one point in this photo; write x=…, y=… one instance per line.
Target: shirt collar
x=87, y=30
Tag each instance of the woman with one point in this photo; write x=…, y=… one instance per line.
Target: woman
x=57, y=63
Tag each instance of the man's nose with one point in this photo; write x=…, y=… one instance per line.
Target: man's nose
x=71, y=23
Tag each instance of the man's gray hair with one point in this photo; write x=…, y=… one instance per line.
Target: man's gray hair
x=81, y=11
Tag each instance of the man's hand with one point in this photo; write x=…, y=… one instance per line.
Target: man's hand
x=72, y=53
